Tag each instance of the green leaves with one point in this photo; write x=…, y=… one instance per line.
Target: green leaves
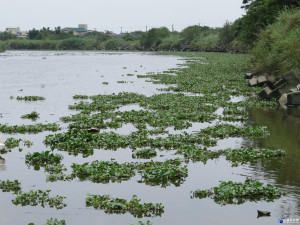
x=42, y=159
x=39, y=197
x=30, y=98
x=152, y=173
x=8, y=186
x=228, y=130
x=251, y=154
x=121, y=206
x=33, y=115
x=35, y=128
x=238, y=193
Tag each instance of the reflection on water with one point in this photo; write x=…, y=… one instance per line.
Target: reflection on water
x=2, y=164
x=284, y=126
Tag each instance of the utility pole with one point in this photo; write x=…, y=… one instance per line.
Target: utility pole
x=146, y=28
x=172, y=28
x=121, y=30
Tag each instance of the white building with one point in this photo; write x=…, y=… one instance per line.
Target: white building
x=13, y=30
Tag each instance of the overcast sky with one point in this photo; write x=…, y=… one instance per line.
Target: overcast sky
x=112, y=14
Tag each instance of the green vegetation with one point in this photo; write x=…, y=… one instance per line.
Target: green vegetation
x=35, y=128
x=80, y=97
x=227, y=130
x=251, y=155
x=141, y=223
x=10, y=186
x=238, y=193
x=144, y=153
x=30, y=98
x=53, y=222
x=277, y=49
x=33, y=115
x=42, y=159
x=39, y=197
x=121, y=206
x=11, y=143
x=2, y=46
x=153, y=173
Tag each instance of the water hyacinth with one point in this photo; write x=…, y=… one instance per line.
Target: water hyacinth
x=121, y=206
x=238, y=193
x=33, y=115
x=30, y=98
x=10, y=186
x=35, y=128
x=39, y=197
x=153, y=173
x=42, y=159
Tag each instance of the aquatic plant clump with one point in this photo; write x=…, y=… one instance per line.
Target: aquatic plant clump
x=122, y=206
x=104, y=171
x=144, y=153
x=33, y=115
x=42, y=159
x=238, y=193
x=197, y=154
x=30, y=98
x=52, y=221
x=12, y=143
x=39, y=197
x=163, y=174
x=227, y=130
x=251, y=154
x=80, y=97
x=35, y=128
x=8, y=186
x=81, y=141
x=153, y=173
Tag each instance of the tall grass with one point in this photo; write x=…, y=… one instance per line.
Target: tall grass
x=2, y=46
x=278, y=47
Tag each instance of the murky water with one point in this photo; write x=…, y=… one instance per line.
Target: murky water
x=58, y=76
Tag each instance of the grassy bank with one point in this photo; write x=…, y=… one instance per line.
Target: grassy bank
x=278, y=47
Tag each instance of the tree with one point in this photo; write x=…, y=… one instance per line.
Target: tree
x=192, y=32
x=34, y=34
x=260, y=13
x=226, y=34
x=154, y=37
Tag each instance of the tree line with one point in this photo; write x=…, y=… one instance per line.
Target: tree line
x=237, y=36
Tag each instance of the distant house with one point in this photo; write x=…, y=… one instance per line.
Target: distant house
x=14, y=30
x=80, y=30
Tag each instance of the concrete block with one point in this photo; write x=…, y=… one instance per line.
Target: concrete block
x=293, y=98
x=275, y=94
x=291, y=78
x=265, y=93
x=261, y=80
x=248, y=75
x=253, y=81
x=293, y=90
x=283, y=99
x=278, y=83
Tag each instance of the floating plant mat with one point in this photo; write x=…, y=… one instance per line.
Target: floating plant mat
x=121, y=206
x=160, y=143
x=238, y=193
